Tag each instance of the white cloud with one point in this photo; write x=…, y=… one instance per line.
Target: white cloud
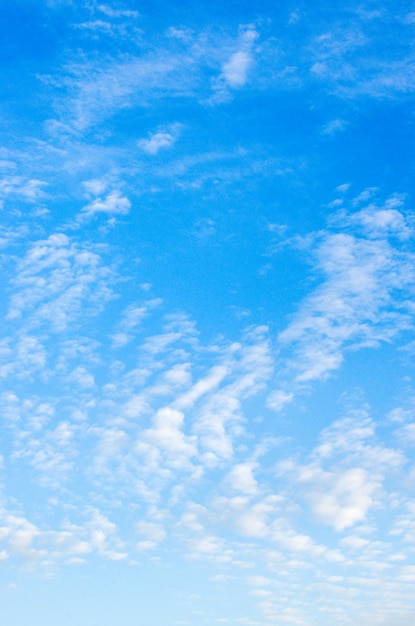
x=162, y=441
x=82, y=377
x=241, y=478
x=111, y=444
x=334, y=126
x=170, y=436
x=96, y=25
x=50, y=452
x=103, y=535
x=131, y=319
x=250, y=519
x=160, y=140
x=108, y=10
x=113, y=204
x=213, y=379
x=29, y=190
x=346, y=498
x=357, y=304
x=235, y=70
x=151, y=531
x=97, y=90
x=278, y=399
x=95, y=186
x=217, y=421
x=354, y=542
x=380, y=221
x=406, y=434
x=167, y=435
x=343, y=482
x=55, y=281
x=32, y=546
x=347, y=62
x=292, y=541
x=24, y=356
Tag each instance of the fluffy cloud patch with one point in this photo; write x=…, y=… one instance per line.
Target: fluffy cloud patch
x=160, y=140
x=113, y=204
x=346, y=499
x=235, y=70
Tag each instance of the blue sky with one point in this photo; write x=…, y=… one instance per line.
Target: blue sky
x=208, y=277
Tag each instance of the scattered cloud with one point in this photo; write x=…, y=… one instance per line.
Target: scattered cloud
x=334, y=126
x=235, y=69
x=160, y=140
x=113, y=204
x=110, y=12
x=29, y=190
x=54, y=282
x=357, y=303
x=146, y=427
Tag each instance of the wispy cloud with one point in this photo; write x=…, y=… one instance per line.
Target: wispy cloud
x=357, y=304
x=334, y=126
x=95, y=92
x=347, y=59
x=111, y=12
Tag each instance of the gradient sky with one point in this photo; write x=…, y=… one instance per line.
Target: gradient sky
x=207, y=316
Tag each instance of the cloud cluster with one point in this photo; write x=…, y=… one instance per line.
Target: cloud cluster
x=169, y=433
x=136, y=432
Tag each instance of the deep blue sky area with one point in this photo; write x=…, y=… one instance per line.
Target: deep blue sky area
x=207, y=321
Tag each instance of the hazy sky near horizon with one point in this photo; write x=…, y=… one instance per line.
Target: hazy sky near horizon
x=207, y=316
